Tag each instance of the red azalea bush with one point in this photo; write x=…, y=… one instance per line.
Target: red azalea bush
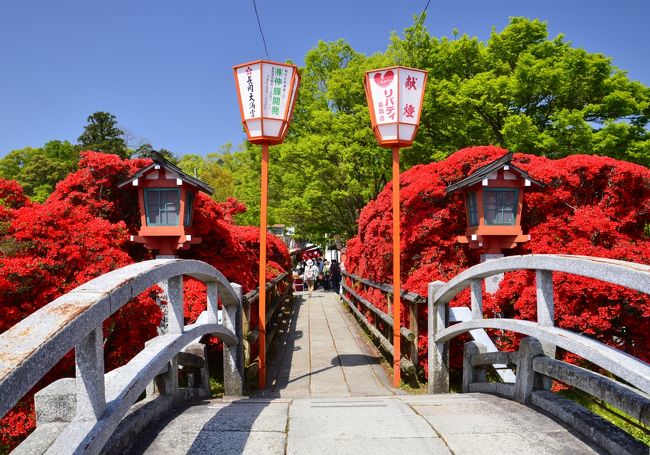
x=591, y=205
x=81, y=232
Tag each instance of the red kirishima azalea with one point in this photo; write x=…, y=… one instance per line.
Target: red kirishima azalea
x=591, y=205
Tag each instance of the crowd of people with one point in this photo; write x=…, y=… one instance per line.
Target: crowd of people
x=320, y=273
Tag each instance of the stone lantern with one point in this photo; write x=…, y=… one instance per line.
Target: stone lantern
x=494, y=198
x=166, y=197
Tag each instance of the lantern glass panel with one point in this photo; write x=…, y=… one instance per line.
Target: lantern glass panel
x=472, y=209
x=162, y=206
x=500, y=206
x=189, y=209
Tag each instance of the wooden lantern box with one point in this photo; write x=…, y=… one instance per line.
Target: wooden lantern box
x=494, y=198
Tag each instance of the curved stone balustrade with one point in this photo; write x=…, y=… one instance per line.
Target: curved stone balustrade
x=617, y=362
x=34, y=345
x=532, y=379
x=628, y=274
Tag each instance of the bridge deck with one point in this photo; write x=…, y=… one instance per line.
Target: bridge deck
x=321, y=353
x=328, y=394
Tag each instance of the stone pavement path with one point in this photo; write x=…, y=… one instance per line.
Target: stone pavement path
x=327, y=394
x=322, y=353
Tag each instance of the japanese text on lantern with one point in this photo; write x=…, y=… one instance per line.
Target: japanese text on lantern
x=279, y=84
x=409, y=109
x=275, y=91
x=410, y=83
x=389, y=102
x=249, y=88
x=384, y=91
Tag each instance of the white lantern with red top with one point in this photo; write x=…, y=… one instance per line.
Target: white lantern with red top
x=395, y=101
x=267, y=93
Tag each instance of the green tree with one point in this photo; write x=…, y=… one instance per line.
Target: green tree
x=39, y=169
x=520, y=90
x=526, y=92
x=330, y=165
x=144, y=151
x=212, y=170
x=102, y=134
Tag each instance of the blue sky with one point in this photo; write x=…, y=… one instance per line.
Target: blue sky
x=164, y=68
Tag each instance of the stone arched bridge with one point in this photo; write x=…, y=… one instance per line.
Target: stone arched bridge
x=327, y=390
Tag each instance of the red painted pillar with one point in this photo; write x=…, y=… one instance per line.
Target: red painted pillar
x=262, y=269
x=396, y=271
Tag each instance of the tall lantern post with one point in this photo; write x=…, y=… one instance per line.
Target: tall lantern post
x=267, y=93
x=395, y=101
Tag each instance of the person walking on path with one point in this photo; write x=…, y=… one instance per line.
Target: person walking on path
x=311, y=272
x=335, y=276
x=326, y=275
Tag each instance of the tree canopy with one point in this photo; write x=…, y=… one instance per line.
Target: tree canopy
x=102, y=134
x=520, y=90
x=39, y=169
x=526, y=92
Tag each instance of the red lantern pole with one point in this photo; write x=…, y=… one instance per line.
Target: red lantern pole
x=266, y=120
x=395, y=100
x=396, y=270
x=262, y=269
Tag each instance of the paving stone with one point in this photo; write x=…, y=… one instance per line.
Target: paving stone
x=387, y=446
x=531, y=443
x=330, y=396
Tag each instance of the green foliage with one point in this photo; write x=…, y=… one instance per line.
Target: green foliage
x=39, y=169
x=525, y=92
x=102, y=134
x=330, y=165
x=144, y=151
x=520, y=89
x=217, y=388
x=612, y=415
x=212, y=170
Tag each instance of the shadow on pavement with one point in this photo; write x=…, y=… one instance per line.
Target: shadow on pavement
x=227, y=431
x=282, y=357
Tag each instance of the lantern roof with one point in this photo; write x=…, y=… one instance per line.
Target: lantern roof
x=160, y=162
x=483, y=172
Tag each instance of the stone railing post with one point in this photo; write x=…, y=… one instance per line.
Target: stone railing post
x=89, y=362
x=212, y=303
x=199, y=350
x=545, y=303
x=471, y=374
x=173, y=292
x=233, y=355
x=414, y=327
x=477, y=298
x=529, y=348
x=545, y=312
x=246, y=328
x=438, y=381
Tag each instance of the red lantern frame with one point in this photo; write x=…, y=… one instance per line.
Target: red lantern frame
x=376, y=126
x=287, y=115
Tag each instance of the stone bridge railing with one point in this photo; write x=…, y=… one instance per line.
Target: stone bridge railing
x=535, y=362
x=33, y=346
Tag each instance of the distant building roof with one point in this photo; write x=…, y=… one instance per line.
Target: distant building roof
x=158, y=160
x=488, y=169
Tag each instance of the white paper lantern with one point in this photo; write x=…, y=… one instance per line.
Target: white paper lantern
x=395, y=102
x=267, y=93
